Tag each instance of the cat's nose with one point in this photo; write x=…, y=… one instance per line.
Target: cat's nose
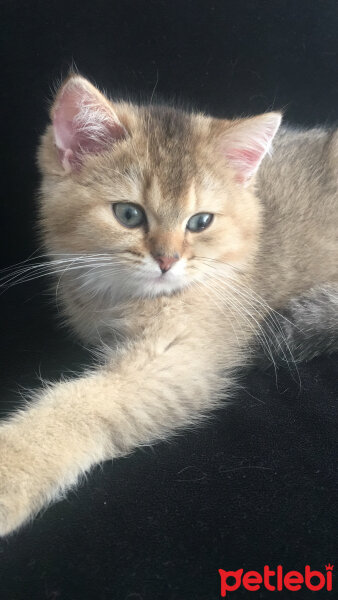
x=166, y=262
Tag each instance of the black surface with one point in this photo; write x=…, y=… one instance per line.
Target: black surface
x=257, y=484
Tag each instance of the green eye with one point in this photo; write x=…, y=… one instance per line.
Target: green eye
x=200, y=222
x=129, y=215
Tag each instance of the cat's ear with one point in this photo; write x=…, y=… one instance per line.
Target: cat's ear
x=245, y=144
x=84, y=122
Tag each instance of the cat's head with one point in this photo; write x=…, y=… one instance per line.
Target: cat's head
x=160, y=194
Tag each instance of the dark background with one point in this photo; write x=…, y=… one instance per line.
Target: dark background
x=257, y=484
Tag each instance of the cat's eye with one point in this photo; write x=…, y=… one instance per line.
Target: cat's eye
x=129, y=215
x=200, y=222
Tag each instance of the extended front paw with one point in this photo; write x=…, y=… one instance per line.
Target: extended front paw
x=22, y=491
x=15, y=509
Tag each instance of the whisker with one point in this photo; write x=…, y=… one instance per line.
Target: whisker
x=269, y=315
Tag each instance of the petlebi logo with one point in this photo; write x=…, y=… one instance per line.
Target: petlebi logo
x=276, y=580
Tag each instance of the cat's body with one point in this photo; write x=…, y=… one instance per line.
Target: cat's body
x=298, y=189
x=176, y=301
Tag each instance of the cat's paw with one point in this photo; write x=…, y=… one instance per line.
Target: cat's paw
x=13, y=513
x=20, y=493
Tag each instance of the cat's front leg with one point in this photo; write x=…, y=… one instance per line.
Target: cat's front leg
x=45, y=448
x=77, y=424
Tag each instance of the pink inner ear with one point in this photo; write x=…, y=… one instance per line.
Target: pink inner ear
x=245, y=161
x=83, y=125
x=246, y=144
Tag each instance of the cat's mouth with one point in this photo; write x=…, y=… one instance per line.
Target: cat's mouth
x=156, y=284
x=152, y=281
x=162, y=277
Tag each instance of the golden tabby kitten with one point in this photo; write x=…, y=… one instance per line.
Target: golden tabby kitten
x=175, y=240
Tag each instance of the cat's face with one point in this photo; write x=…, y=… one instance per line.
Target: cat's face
x=158, y=196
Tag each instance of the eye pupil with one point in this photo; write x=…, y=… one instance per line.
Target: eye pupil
x=199, y=222
x=129, y=215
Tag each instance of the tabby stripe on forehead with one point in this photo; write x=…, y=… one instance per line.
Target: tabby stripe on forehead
x=169, y=133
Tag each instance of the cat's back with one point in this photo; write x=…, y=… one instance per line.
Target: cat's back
x=298, y=187
x=302, y=169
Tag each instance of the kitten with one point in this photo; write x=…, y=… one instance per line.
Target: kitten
x=176, y=241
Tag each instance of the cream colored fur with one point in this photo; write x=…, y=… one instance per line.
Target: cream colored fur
x=169, y=353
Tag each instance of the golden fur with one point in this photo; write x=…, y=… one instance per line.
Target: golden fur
x=172, y=342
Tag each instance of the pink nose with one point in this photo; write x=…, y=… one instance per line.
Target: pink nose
x=166, y=262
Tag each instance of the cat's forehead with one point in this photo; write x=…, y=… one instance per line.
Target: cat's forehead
x=163, y=164
x=169, y=206
x=169, y=142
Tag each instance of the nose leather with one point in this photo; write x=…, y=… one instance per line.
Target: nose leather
x=166, y=262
